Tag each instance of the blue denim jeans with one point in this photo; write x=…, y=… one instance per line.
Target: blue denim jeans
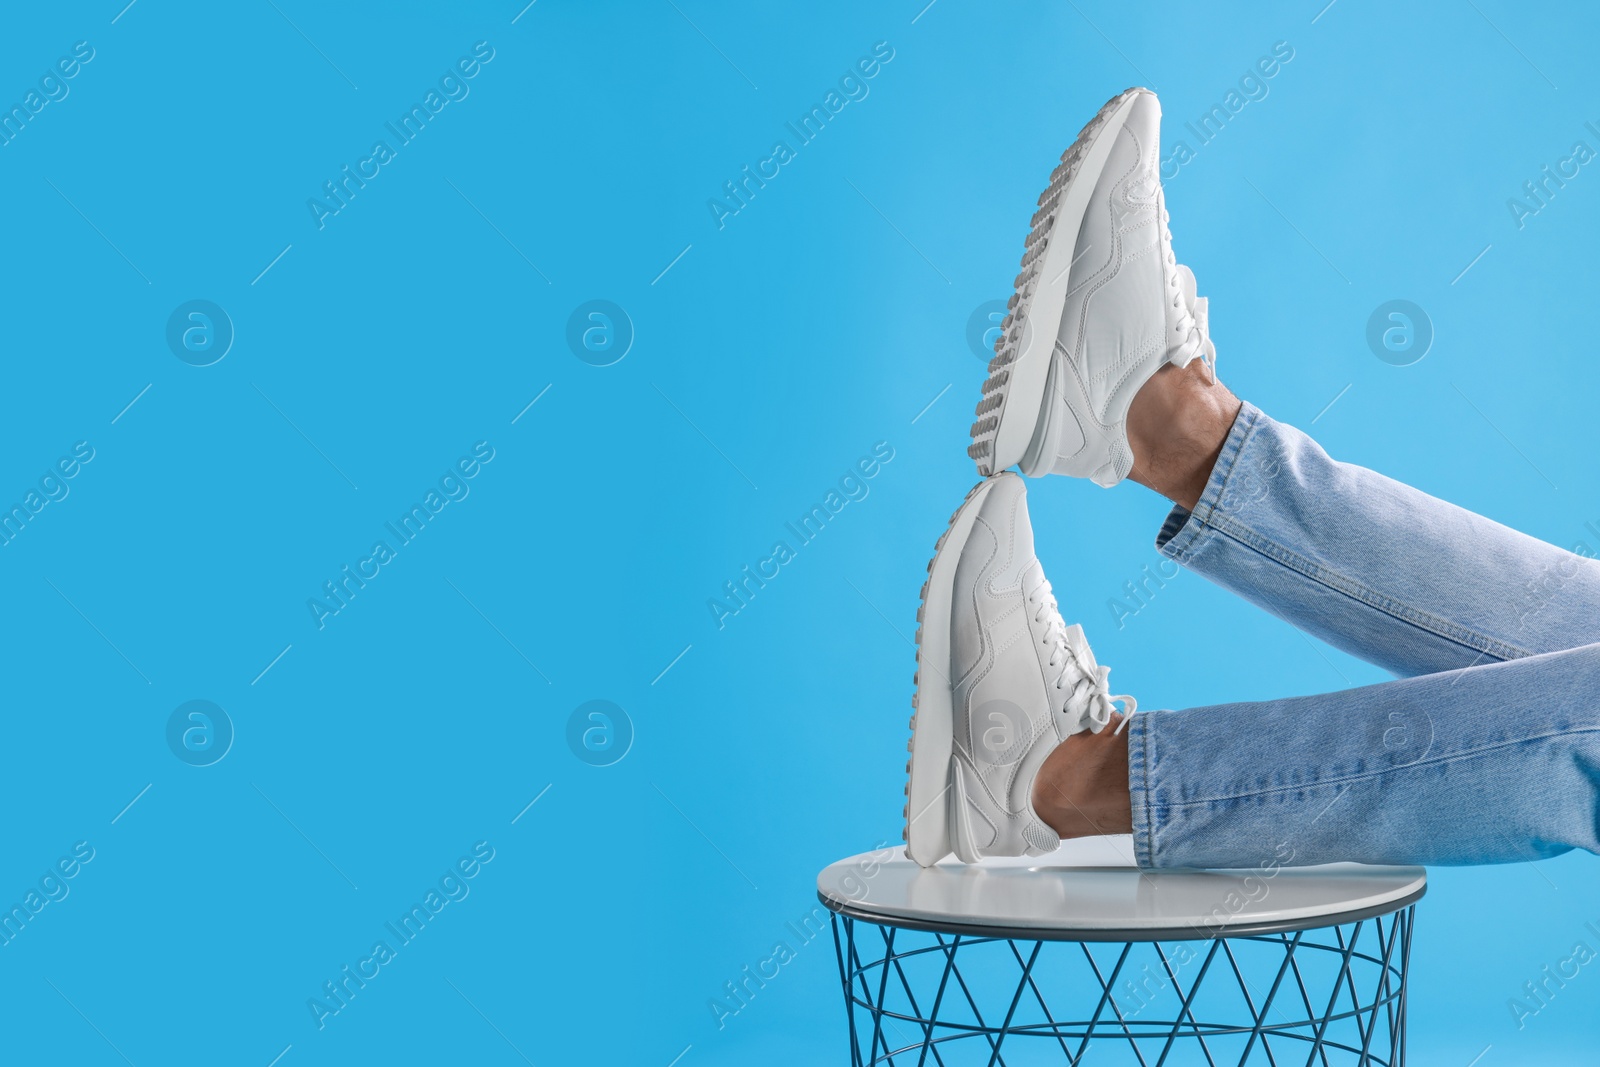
x=1487, y=748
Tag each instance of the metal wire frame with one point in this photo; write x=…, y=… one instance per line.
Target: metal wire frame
x=1378, y=1020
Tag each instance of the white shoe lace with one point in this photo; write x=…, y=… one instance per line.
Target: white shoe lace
x=1192, y=310
x=1090, y=696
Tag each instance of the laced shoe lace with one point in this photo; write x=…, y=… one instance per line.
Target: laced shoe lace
x=1085, y=682
x=1192, y=310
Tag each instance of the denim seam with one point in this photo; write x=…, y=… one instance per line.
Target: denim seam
x=1144, y=821
x=1209, y=520
x=1369, y=776
x=1149, y=802
x=1340, y=583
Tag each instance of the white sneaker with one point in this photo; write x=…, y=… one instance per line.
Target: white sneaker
x=1101, y=304
x=1001, y=681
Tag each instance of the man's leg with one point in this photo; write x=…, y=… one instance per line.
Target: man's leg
x=1489, y=764
x=1374, y=567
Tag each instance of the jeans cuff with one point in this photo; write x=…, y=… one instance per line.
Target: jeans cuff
x=1185, y=531
x=1140, y=758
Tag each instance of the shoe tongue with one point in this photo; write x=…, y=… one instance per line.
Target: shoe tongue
x=1085, y=664
x=1199, y=343
x=1080, y=649
x=1187, y=284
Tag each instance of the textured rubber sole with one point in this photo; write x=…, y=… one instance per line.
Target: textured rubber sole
x=1009, y=407
x=927, y=834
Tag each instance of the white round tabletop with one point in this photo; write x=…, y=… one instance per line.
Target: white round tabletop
x=1091, y=890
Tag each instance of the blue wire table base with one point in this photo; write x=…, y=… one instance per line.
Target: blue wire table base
x=1329, y=995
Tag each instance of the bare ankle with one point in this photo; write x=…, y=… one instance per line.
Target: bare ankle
x=1082, y=789
x=1176, y=426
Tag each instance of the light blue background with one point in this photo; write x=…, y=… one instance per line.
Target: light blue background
x=776, y=351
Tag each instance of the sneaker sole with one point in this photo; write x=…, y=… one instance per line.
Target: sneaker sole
x=927, y=832
x=960, y=818
x=1013, y=396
